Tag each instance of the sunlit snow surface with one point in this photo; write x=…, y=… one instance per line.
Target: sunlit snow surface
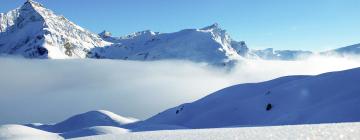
x=344, y=131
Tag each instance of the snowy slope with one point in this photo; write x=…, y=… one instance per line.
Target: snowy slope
x=210, y=44
x=36, y=32
x=346, y=131
x=19, y=132
x=86, y=120
x=326, y=98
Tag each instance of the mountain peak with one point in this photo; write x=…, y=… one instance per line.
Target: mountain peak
x=145, y=32
x=31, y=3
x=105, y=34
x=141, y=34
x=212, y=27
x=216, y=29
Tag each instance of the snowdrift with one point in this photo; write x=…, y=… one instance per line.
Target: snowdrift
x=20, y=132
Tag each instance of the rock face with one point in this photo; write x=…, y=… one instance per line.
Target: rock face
x=33, y=31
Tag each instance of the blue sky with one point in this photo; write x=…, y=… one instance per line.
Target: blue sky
x=281, y=24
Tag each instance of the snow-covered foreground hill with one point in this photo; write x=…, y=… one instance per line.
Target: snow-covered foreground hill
x=326, y=98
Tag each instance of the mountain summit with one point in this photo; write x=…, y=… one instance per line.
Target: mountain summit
x=33, y=31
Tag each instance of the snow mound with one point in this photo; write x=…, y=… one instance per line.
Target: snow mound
x=96, y=130
x=326, y=98
x=88, y=119
x=20, y=132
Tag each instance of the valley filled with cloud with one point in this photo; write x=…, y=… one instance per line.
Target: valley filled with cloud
x=48, y=91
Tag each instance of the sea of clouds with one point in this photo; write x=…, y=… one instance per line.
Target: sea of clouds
x=49, y=91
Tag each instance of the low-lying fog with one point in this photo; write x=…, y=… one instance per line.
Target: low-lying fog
x=49, y=91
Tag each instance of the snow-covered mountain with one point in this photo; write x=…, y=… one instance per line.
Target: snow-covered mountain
x=271, y=54
x=33, y=31
x=36, y=32
x=148, y=45
x=348, y=50
x=210, y=44
x=326, y=98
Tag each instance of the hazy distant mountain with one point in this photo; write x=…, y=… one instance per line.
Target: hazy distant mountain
x=349, y=50
x=271, y=54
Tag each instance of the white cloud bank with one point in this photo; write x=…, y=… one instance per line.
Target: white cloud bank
x=51, y=90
